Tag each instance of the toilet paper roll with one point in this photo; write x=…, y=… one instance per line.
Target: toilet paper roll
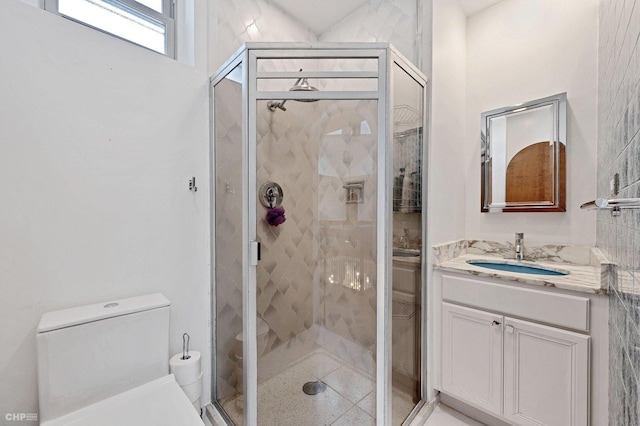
x=186, y=371
x=193, y=390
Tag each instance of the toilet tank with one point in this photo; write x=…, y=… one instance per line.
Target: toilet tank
x=89, y=353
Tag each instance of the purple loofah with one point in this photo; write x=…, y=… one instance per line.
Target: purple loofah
x=275, y=216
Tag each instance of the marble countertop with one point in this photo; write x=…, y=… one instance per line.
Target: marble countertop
x=415, y=257
x=588, y=268
x=412, y=260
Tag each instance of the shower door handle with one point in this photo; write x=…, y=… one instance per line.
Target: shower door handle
x=254, y=253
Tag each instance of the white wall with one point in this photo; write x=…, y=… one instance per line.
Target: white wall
x=445, y=58
x=98, y=138
x=520, y=50
x=448, y=97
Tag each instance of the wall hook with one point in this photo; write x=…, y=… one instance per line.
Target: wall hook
x=192, y=185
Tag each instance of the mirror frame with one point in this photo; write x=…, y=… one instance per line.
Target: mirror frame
x=558, y=204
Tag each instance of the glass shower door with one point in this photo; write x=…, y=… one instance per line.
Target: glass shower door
x=316, y=278
x=229, y=238
x=316, y=221
x=316, y=320
x=407, y=170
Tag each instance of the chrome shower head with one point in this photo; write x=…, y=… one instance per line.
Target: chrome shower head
x=301, y=85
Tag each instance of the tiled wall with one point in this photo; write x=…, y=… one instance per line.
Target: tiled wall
x=323, y=236
x=234, y=22
x=309, y=261
x=391, y=21
x=619, y=152
x=347, y=232
x=287, y=155
x=294, y=292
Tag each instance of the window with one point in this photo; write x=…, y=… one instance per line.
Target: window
x=148, y=23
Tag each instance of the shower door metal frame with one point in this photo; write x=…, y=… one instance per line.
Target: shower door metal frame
x=238, y=59
x=385, y=54
x=397, y=58
x=377, y=51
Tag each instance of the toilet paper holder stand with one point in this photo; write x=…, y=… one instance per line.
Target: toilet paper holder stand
x=185, y=346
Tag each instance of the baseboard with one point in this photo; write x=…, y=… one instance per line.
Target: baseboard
x=470, y=411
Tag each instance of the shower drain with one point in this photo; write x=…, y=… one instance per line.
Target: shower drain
x=314, y=388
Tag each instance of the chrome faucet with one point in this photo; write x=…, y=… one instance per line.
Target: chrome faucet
x=519, y=245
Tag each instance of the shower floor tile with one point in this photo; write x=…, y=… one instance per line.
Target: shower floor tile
x=402, y=405
x=302, y=409
x=368, y=404
x=350, y=383
x=355, y=416
x=348, y=400
x=319, y=364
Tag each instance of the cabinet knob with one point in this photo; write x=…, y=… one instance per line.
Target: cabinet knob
x=509, y=329
x=494, y=323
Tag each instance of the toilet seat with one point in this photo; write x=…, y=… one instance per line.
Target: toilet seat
x=261, y=328
x=160, y=402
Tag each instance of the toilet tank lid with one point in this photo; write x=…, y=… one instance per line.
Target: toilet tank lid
x=98, y=311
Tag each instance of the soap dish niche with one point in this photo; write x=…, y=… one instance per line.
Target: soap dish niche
x=354, y=192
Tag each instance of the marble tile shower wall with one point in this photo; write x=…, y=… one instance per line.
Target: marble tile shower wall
x=348, y=231
x=619, y=152
x=288, y=306
x=392, y=21
x=235, y=22
x=287, y=155
x=309, y=270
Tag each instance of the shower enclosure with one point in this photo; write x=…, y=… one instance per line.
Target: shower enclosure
x=318, y=170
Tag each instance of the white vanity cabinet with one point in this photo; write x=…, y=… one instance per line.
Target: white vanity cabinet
x=472, y=356
x=508, y=351
x=405, y=320
x=546, y=375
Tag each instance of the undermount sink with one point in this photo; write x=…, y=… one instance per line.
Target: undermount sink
x=402, y=252
x=511, y=266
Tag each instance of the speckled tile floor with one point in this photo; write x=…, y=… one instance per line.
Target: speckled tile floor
x=348, y=400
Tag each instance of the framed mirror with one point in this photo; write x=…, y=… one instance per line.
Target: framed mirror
x=523, y=157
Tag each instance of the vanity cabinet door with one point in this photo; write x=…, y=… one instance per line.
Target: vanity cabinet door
x=406, y=277
x=472, y=356
x=546, y=375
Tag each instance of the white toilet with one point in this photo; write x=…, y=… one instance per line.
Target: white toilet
x=108, y=364
x=262, y=338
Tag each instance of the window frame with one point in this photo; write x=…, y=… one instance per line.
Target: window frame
x=166, y=17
